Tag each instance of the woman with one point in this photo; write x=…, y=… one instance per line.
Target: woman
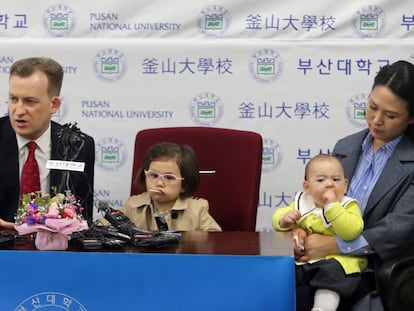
x=379, y=161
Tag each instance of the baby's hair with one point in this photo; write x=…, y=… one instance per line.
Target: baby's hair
x=186, y=161
x=317, y=158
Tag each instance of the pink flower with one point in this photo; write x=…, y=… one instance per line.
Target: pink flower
x=53, y=210
x=37, y=208
x=37, y=216
x=68, y=213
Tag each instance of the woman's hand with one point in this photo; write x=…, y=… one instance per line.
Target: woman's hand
x=301, y=237
x=318, y=246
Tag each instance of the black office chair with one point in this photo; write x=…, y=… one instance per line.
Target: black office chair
x=396, y=283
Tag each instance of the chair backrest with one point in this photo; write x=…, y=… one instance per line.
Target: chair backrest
x=235, y=156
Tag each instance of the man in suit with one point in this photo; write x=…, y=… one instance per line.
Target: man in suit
x=34, y=96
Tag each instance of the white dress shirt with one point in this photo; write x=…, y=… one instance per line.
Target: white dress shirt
x=42, y=154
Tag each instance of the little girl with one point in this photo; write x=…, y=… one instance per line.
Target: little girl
x=170, y=175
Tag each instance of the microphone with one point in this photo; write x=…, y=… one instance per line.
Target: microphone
x=72, y=141
x=174, y=215
x=103, y=206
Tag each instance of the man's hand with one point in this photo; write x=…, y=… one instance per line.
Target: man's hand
x=6, y=225
x=318, y=246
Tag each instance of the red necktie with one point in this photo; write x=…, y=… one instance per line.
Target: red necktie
x=30, y=174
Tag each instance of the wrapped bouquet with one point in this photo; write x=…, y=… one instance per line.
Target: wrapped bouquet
x=51, y=218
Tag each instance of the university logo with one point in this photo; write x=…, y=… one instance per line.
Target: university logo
x=111, y=154
x=59, y=115
x=59, y=20
x=206, y=109
x=110, y=65
x=50, y=301
x=214, y=21
x=369, y=22
x=355, y=110
x=272, y=155
x=265, y=66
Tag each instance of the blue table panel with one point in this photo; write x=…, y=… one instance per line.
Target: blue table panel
x=41, y=280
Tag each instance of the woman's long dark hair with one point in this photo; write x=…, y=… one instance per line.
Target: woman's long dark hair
x=399, y=78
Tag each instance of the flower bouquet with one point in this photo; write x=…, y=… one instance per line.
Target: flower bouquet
x=51, y=218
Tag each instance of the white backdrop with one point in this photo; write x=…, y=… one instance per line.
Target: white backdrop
x=296, y=72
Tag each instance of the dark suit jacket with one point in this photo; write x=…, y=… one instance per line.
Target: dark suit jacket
x=389, y=214
x=81, y=183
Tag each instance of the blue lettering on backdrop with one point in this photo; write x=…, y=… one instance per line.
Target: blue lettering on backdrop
x=70, y=69
x=157, y=26
x=4, y=60
x=407, y=21
x=110, y=21
x=102, y=192
x=120, y=114
x=276, y=23
x=135, y=26
x=98, y=108
x=4, y=69
x=305, y=154
x=116, y=203
x=301, y=110
x=266, y=200
x=105, y=195
x=95, y=103
x=203, y=65
x=158, y=114
x=329, y=66
x=103, y=16
x=15, y=21
x=116, y=114
x=110, y=26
